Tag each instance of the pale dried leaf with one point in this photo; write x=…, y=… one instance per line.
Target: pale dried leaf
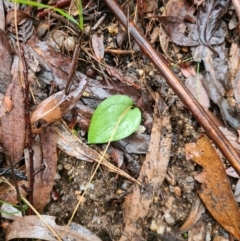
x=232, y=173
x=57, y=105
x=220, y=203
x=32, y=227
x=13, y=123
x=98, y=46
x=137, y=204
x=10, y=212
x=73, y=146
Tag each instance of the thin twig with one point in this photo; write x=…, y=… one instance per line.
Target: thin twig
x=73, y=66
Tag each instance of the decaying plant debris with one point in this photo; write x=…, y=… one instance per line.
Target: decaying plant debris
x=53, y=76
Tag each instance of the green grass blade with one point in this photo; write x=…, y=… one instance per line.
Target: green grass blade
x=40, y=5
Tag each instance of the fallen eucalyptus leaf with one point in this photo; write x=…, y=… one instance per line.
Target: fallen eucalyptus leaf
x=215, y=190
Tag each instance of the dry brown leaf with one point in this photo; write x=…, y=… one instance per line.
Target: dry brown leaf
x=73, y=146
x=215, y=190
x=98, y=46
x=45, y=154
x=32, y=227
x=56, y=106
x=8, y=194
x=195, y=85
x=137, y=204
x=154, y=35
x=21, y=17
x=13, y=123
x=194, y=216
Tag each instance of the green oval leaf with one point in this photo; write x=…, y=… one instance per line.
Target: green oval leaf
x=106, y=117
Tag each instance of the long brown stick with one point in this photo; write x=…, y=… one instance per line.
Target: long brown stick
x=186, y=97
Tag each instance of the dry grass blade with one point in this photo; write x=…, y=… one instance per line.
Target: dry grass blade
x=73, y=146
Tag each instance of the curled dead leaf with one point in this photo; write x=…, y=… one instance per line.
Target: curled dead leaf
x=56, y=106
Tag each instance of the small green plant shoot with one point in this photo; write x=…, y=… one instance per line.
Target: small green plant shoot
x=114, y=119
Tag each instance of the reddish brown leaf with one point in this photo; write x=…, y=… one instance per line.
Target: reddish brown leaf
x=98, y=46
x=56, y=106
x=215, y=190
x=13, y=123
x=32, y=227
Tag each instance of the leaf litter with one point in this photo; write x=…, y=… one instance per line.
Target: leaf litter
x=52, y=69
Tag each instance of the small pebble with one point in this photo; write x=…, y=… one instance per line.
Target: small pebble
x=140, y=71
x=77, y=192
x=153, y=225
x=171, y=188
x=91, y=186
x=67, y=166
x=190, y=179
x=60, y=167
x=57, y=176
x=169, y=219
x=155, y=199
x=119, y=191
x=177, y=191
x=83, y=199
x=124, y=186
